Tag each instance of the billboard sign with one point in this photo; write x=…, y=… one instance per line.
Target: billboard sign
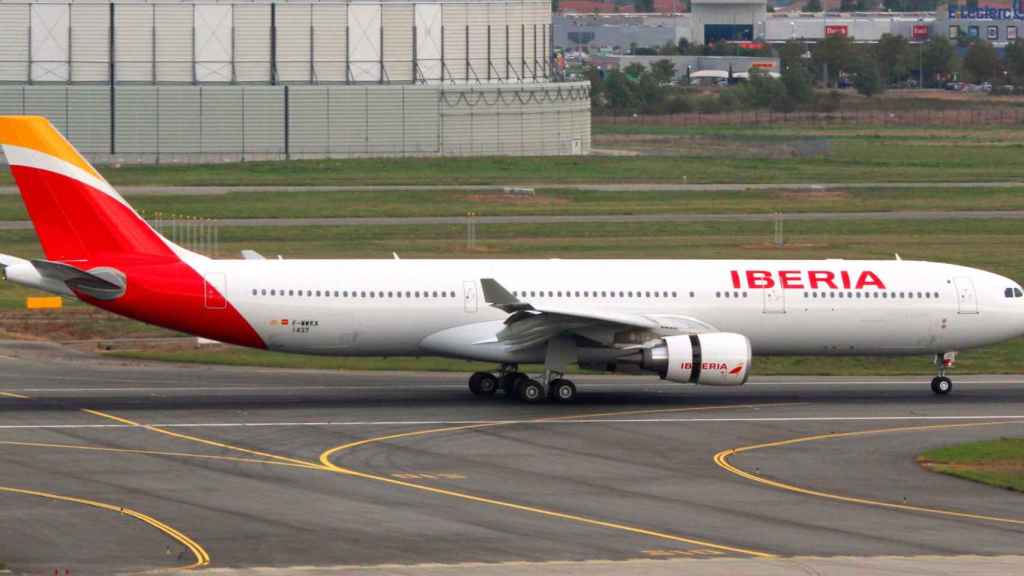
x=837, y=30
x=919, y=32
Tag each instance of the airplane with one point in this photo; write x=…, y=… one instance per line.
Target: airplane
x=687, y=321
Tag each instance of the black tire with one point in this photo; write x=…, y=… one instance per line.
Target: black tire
x=531, y=391
x=562, y=390
x=942, y=385
x=474, y=383
x=488, y=384
x=509, y=383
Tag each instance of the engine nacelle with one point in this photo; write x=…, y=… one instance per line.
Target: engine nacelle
x=712, y=359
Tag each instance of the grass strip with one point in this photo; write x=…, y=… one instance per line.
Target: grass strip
x=997, y=462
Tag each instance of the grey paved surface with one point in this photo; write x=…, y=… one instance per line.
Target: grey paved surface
x=624, y=479
x=599, y=218
x=615, y=187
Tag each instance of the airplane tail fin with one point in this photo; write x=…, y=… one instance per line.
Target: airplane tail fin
x=77, y=214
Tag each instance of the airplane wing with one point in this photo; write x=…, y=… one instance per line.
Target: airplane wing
x=532, y=324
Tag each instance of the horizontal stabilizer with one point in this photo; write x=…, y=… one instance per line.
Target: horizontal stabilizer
x=100, y=283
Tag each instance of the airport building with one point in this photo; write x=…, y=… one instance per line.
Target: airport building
x=136, y=81
x=714, y=21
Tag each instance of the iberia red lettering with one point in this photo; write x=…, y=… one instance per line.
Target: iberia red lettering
x=821, y=276
x=810, y=279
x=760, y=279
x=868, y=278
x=790, y=279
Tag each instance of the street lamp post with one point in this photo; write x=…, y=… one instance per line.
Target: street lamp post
x=920, y=60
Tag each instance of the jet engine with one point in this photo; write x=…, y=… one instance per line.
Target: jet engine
x=712, y=359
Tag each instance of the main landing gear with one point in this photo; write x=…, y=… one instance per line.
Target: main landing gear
x=515, y=384
x=941, y=385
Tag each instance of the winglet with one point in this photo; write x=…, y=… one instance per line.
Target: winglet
x=496, y=295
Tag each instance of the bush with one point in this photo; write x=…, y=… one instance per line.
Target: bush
x=708, y=105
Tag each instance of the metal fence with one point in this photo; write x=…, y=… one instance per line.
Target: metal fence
x=147, y=124
x=275, y=43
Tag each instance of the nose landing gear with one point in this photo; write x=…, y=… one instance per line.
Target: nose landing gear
x=941, y=385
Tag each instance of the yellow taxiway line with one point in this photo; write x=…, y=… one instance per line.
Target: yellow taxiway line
x=325, y=460
x=200, y=554
x=327, y=466
x=722, y=459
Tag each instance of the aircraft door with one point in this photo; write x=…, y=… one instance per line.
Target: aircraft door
x=469, y=295
x=966, y=298
x=774, y=300
x=215, y=287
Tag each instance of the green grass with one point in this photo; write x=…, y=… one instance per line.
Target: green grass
x=994, y=462
x=554, y=202
x=859, y=160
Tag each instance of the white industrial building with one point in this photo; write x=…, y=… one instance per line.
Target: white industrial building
x=206, y=80
x=735, y=20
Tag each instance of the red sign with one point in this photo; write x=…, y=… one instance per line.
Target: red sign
x=920, y=32
x=764, y=65
x=812, y=279
x=836, y=30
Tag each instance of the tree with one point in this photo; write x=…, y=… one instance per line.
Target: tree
x=664, y=71
x=634, y=71
x=644, y=5
x=618, y=92
x=893, y=56
x=812, y=6
x=1015, y=60
x=791, y=54
x=981, y=62
x=554, y=5
x=847, y=5
x=834, y=56
x=866, y=78
x=798, y=85
x=939, y=58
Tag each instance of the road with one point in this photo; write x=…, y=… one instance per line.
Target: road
x=284, y=469
x=602, y=218
x=129, y=191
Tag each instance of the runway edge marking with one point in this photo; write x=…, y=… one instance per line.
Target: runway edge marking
x=200, y=554
x=722, y=459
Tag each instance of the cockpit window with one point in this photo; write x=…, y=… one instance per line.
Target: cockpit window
x=1017, y=293
x=1013, y=293
x=1008, y=293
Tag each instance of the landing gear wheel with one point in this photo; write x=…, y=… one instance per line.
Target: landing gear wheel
x=531, y=391
x=509, y=383
x=562, y=390
x=483, y=384
x=942, y=385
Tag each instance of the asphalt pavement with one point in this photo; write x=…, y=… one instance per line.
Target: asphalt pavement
x=111, y=466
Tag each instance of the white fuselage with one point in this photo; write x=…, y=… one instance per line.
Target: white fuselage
x=427, y=307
